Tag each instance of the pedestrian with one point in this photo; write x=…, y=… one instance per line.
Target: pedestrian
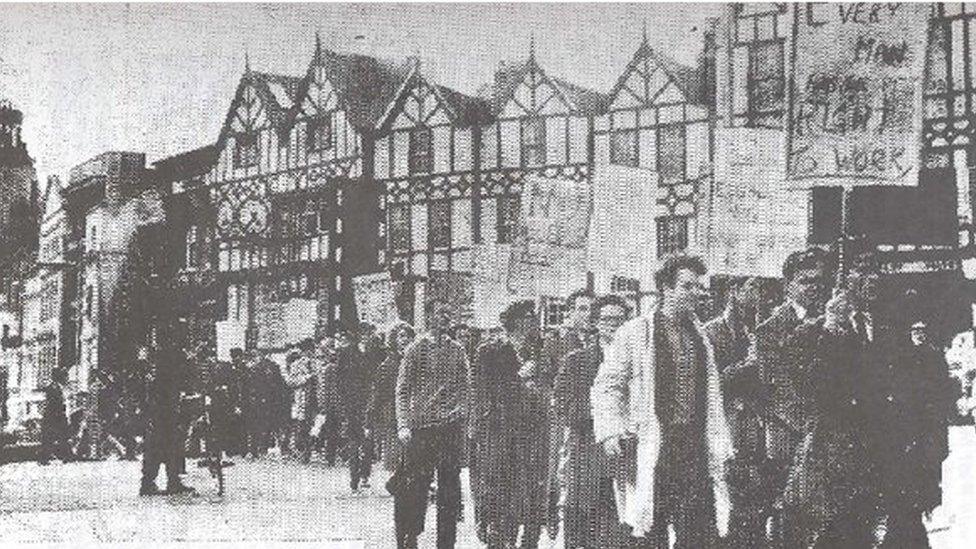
x=915, y=408
x=163, y=438
x=54, y=421
x=329, y=418
x=658, y=396
x=258, y=403
x=765, y=382
x=558, y=343
x=300, y=378
x=731, y=335
x=354, y=379
x=497, y=410
x=589, y=520
x=381, y=411
x=431, y=415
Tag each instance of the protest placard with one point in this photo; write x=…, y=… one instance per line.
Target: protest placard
x=756, y=219
x=623, y=232
x=375, y=301
x=855, y=101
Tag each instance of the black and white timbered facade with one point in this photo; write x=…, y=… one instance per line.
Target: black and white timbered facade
x=426, y=164
x=293, y=156
x=658, y=120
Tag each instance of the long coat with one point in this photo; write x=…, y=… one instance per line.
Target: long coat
x=381, y=411
x=510, y=427
x=622, y=398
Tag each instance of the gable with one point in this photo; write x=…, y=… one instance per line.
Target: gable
x=249, y=113
x=646, y=81
x=421, y=105
x=535, y=94
x=321, y=94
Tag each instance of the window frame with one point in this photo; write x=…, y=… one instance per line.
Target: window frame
x=247, y=150
x=420, y=151
x=440, y=236
x=313, y=137
x=633, y=155
x=405, y=233
x=507, y=211
x=660, y=152
x=754, y=114
x=533, y=150
x=669, y=241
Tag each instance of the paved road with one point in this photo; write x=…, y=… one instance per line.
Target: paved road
x=84, y=503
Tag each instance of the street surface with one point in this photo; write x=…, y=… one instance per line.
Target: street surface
x=80, y=504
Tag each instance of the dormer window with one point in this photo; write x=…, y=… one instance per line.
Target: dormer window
x=534, y=141
x=246, y=151
x=319, y=137
x=421, y=154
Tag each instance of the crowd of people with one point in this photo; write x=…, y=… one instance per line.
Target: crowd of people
x=796, y=417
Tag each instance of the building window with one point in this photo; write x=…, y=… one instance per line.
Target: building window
x=439, y=224
x=534, y=141
x=319, y=134
x=553, y=311
x=194, y=248
x=765, y=81
x=246, y=151
x=507, y=215
x=421, y=156
x=672, y=235
x=400, y=227
x=623, y=147
x=49, y=300
x=671, y=153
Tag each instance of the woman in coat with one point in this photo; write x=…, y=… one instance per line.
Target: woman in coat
x=381, y=411
x=507, y=428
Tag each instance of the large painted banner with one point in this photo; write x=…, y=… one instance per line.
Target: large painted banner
x=755, y=220
x=623, y=229
x=855, y=105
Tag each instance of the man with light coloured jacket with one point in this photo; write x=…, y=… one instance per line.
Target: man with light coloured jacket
x=658, y=412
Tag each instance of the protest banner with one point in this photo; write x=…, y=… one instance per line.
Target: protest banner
x=623, y=232
x=375, y=301
x=555, y=212
x=270, y=320
x=756, y=219
x=230, y=334
x=855, y=101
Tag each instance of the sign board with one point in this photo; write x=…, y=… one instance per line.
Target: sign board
x=855, y=105
x=623, y=230
x=756, y=220
x=555, y=212
x=230, y=334
x=375, y=302
x=281, y=325
x=505, y=273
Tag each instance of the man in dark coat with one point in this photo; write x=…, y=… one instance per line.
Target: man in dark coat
x=765, y=383
x=54, y=421
x=498, y=411
x=916, y=401
x=731, y=334
x=556, y=346
x=163, y=438
x=589, y=518
x=354, y=377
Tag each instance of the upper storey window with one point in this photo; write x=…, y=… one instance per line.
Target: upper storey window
x=246, y=151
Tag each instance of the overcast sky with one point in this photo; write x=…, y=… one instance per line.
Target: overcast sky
x=158, y=78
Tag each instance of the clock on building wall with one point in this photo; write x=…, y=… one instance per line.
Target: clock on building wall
x=225, y=217
x=253, y=217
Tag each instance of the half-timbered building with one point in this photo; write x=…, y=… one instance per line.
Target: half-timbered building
x=657, y=126
x=426, y=164
x=920, y=233
x=291, y=158
x=542, y=126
